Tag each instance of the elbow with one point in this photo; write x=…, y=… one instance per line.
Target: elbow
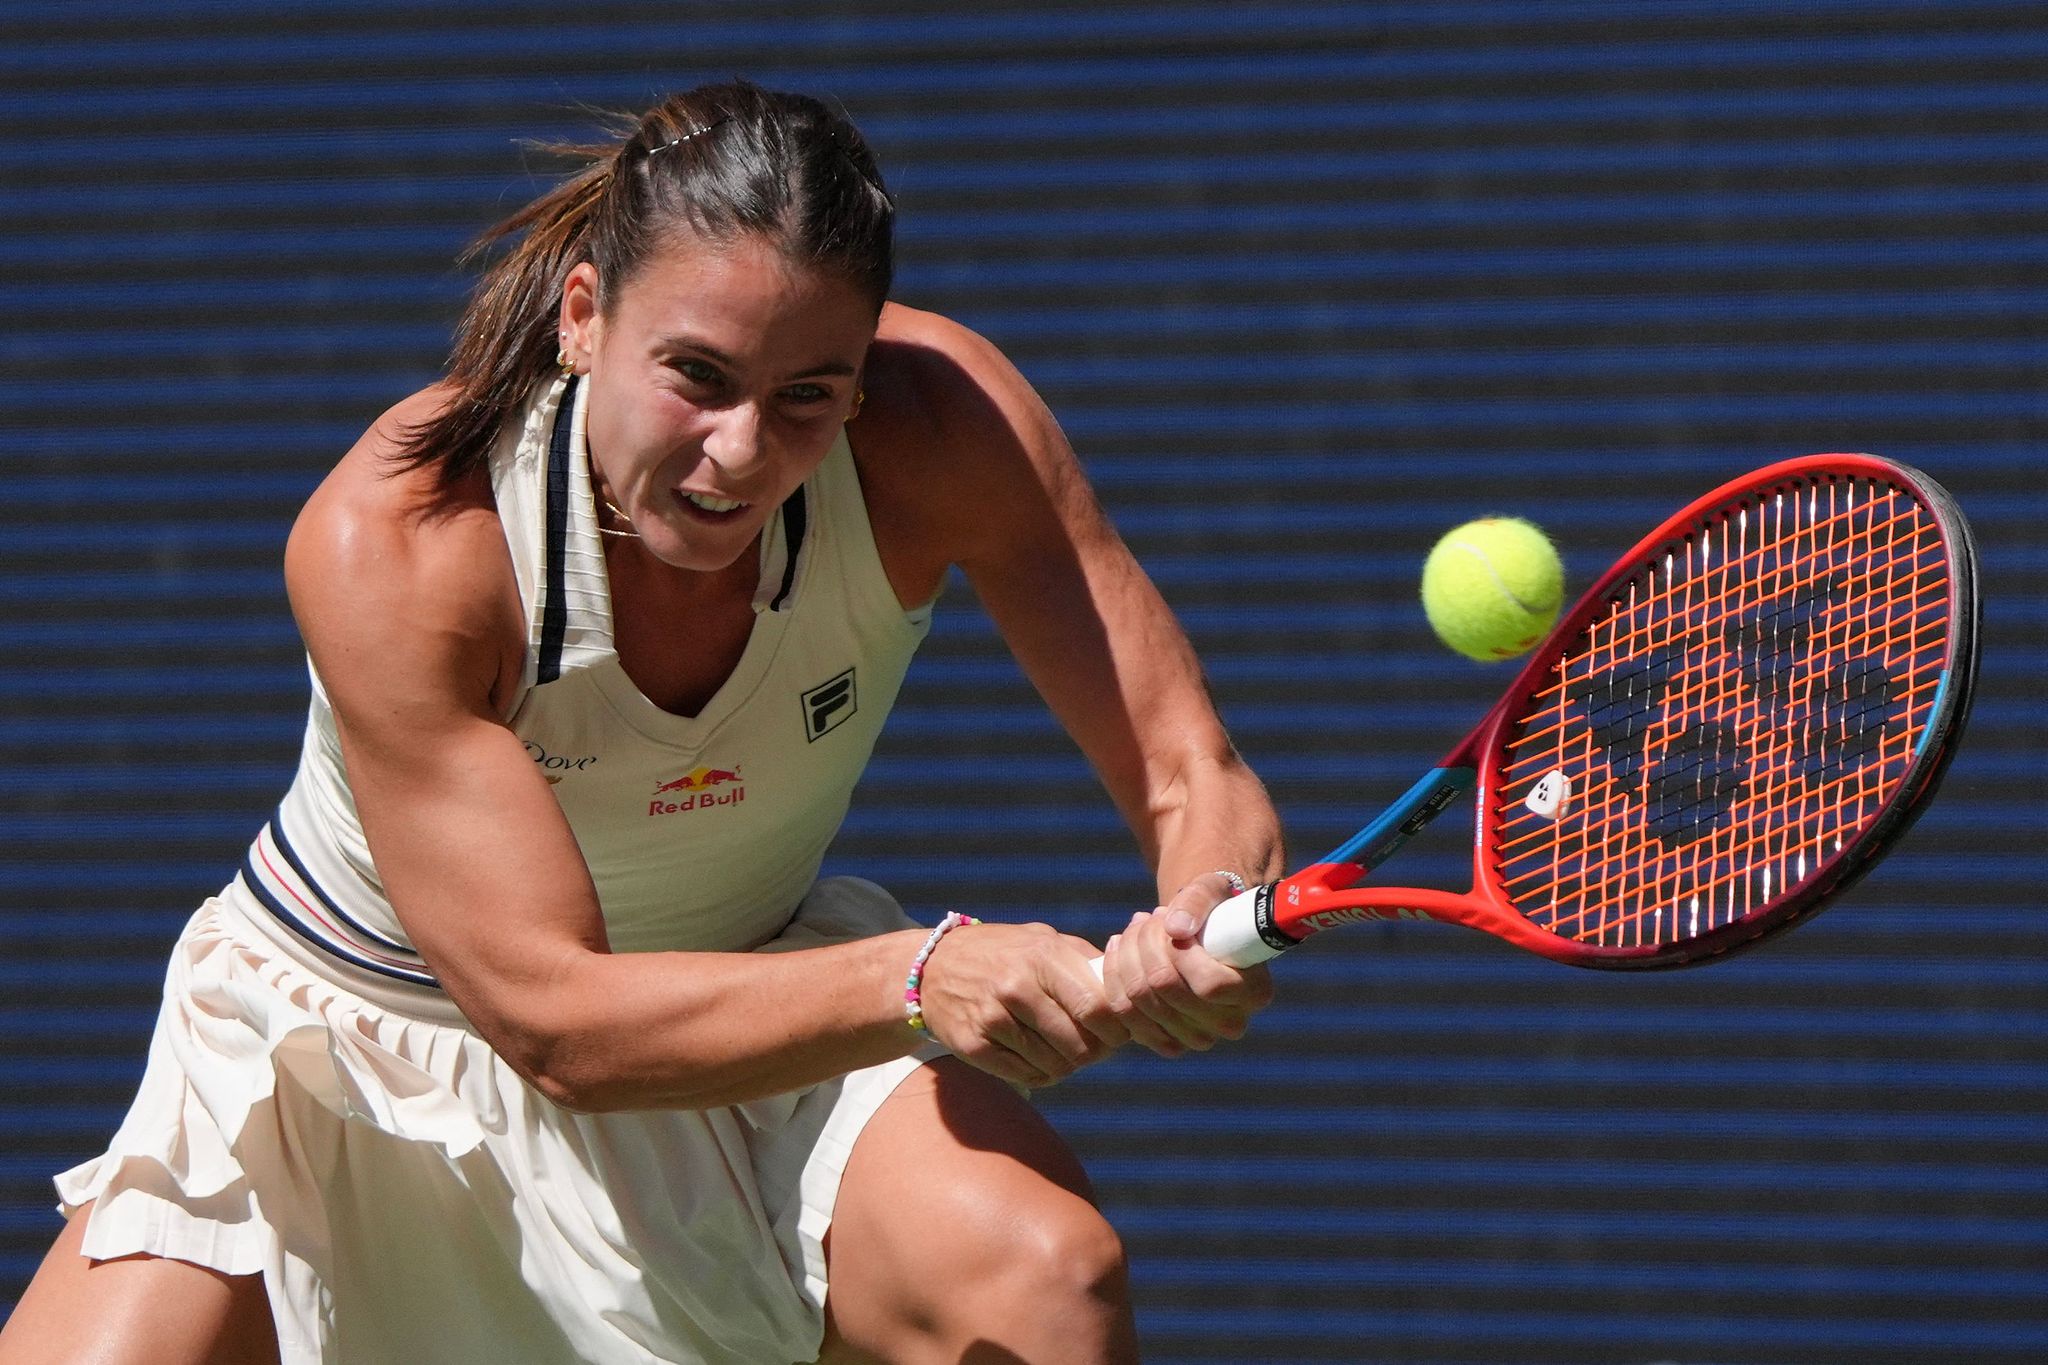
x=583, y=1062
x=587, y=1039
x=559, y=1023
x=553, y=1045
x=563, y=1087
x=592, y=1082
x=548, y=1060
x=568, y=1075
x=576, y=1059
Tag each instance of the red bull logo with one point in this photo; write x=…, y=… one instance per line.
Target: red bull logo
x=698, y=789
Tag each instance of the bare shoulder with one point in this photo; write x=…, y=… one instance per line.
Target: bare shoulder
x=951, y=429
x=954, y=381
x=384, y=561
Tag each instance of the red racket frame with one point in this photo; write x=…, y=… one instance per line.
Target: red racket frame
x=1324, y=894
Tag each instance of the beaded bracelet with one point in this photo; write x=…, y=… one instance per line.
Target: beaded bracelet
x=1236, y=882
x=913, y=999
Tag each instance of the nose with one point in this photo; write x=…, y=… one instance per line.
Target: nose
x=735, y=443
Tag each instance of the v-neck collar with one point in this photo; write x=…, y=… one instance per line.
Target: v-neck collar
x=576, y=614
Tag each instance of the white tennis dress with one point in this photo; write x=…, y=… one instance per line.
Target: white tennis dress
x=315, y=1108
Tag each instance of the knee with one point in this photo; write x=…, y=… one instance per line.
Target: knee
x=1078, y=1253
x=986, y=1244
x=993, y=1279
x=1054, y=1261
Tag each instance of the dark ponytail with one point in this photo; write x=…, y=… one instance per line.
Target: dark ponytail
x=719, y=160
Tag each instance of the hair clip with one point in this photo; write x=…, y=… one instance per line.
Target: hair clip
x=699, y=132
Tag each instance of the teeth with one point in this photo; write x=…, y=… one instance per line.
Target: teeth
x=713, y=504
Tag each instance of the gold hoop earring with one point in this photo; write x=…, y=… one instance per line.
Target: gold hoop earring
x=860, y=396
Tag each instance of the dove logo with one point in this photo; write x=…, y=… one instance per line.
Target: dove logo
x=555, y=767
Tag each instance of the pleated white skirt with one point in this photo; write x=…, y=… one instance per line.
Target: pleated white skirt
x=407, y=1197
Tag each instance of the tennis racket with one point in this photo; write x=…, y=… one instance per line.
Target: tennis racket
x=1733, y=725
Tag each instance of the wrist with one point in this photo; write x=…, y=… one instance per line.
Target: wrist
x=913, y=981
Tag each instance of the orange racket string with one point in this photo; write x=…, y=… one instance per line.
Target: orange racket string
x=1788, y=831
x=1934, y=590
x=1541, y=829
x=1934, y=630
x=1768, y=559
x=1846, y=801
x=1777, y=746
x=1786, y=654
x=1927, y=537
x=1625, y=849
x=1764, y=808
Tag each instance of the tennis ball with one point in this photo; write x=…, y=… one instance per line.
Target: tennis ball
x=1492, y=588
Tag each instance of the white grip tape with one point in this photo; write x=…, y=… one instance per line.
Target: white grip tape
x=1231, y=934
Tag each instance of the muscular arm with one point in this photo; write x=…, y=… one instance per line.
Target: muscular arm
x=1013, y=510
x=1005, y=499
x=1099, y=643
x=406, y=605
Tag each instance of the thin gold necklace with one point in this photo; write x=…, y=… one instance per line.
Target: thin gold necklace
x=612, y=507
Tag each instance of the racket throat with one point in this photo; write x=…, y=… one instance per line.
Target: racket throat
x=1379, y=840
x=1259, y=924
x=1320, y=879
x=1283, y=912
x=1292, y=908
x=1305, y=910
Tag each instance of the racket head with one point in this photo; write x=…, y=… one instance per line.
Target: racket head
x=1734, y=723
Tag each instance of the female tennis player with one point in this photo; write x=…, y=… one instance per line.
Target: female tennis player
x=526, y=1031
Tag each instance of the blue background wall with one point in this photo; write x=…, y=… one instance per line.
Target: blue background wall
x=1307, y=283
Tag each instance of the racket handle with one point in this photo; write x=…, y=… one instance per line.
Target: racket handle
x=1231, y=934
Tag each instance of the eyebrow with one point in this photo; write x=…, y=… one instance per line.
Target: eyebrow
x=688, y=343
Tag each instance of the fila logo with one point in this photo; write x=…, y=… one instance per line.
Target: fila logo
x=827, y=705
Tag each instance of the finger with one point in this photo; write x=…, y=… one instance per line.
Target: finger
x=1225, y=997
x=1084, y=993
x=1209, y=1000
x=1130, y=985
x=1229, y=996
x=1189, y=909
x=1051, y=1009
x=1158, y=990
x=1004, y=1064
x=1122, y=977
x=1073, y=1013
x=1044, y=1035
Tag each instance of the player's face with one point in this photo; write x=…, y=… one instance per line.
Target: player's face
x=718, y=382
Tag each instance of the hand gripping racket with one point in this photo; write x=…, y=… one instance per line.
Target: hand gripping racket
x=1728, y=729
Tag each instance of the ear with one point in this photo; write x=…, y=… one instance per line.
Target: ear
x=581, y=325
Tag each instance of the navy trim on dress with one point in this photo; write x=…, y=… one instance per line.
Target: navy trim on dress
x=254, y=881
x=795, y=518
x=327, y=902
x=554, y=611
